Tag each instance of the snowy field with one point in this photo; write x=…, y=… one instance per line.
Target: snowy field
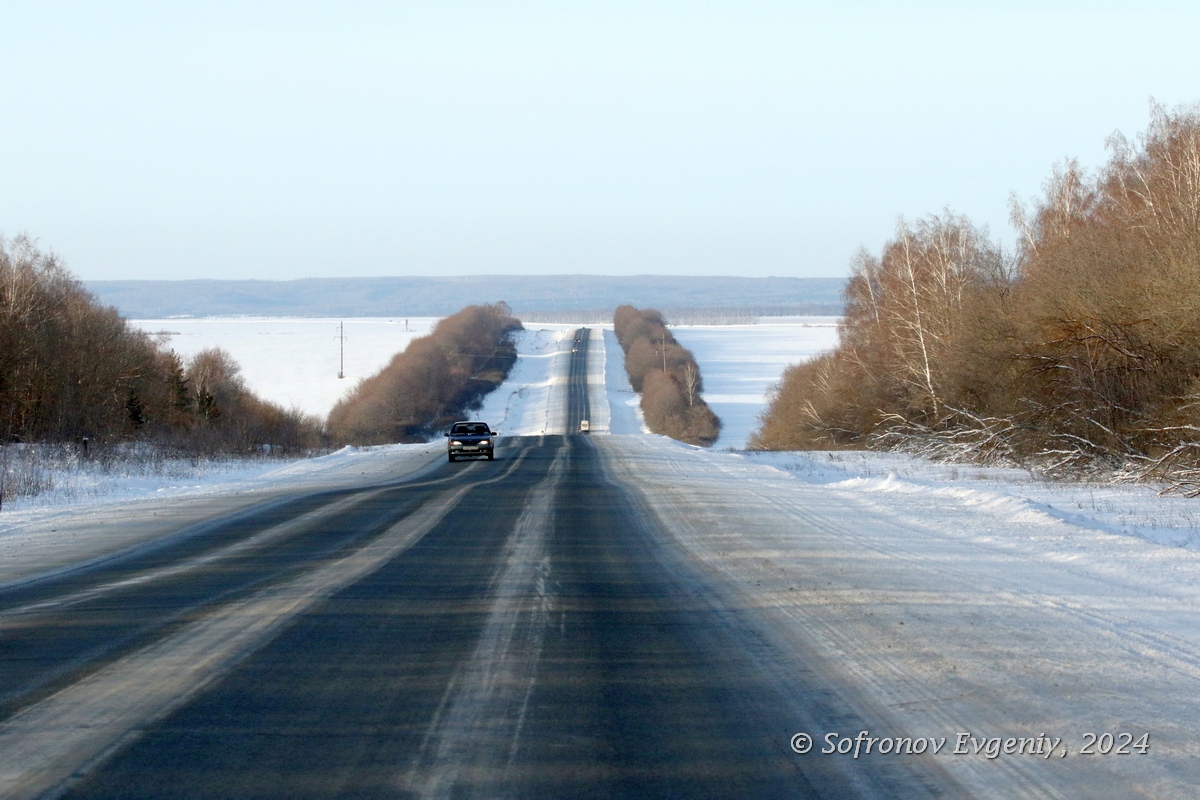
x=294, y=361
x=740, y=363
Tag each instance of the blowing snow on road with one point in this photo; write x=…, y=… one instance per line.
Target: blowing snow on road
x=607, y=614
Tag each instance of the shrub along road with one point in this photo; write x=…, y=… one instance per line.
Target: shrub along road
x=525, y=627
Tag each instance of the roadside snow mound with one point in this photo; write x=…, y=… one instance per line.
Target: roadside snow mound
x=1005, y=493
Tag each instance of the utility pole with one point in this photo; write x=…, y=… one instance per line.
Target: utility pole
x=341, y=350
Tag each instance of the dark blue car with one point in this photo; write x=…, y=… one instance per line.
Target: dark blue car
x=470, y=439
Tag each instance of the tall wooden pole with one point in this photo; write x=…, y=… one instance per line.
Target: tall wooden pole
x=341, y=350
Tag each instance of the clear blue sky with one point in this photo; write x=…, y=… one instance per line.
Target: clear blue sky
x=295, y=139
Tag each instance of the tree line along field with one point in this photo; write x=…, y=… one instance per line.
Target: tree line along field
x=437, y=379
x=1078, y=352
x=73, y=369
x=667, y=377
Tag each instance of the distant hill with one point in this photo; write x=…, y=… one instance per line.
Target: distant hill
x=540, y=294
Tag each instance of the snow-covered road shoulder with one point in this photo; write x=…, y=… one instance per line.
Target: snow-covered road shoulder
x=532, y=401
x=957, y=610
x=1124, y=509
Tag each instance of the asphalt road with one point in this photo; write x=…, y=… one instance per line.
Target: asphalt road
x=519, y=628
x=578, y=408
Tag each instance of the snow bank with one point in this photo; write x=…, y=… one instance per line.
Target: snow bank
x=1135, y=510
x=624, y=404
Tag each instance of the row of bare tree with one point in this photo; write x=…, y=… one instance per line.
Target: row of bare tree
x=666, y=375
x=1080, y=351
x=71, y=368
x=438, y=379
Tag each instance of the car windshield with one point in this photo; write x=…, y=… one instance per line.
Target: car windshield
x=469, y=430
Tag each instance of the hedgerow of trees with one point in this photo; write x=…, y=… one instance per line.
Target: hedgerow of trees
x=1080, y=351
x=667, y=377
x=435, y=381
x=71, y=368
